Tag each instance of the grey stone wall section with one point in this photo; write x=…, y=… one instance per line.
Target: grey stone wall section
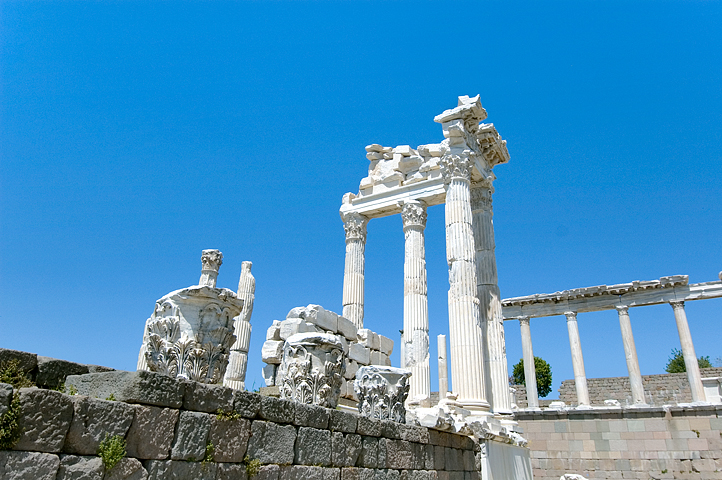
x=53, y=372
x=180, y=470
x=27, y=362
x=246, y=404
x=6, y=396
x=272, y=443
x=230, y=438
x=277, y=410
x=127, y=469
x=152, y=432
x=345, y=449
x=232, y=471
x=342, y=422
x=28, y=465
x=148, y=388
x=313, y=447
x=369, y=426
x=73, y=467
x=45, y=419
x=311, y=416
x=93, y=420
x=201, y=397
x=191, y=436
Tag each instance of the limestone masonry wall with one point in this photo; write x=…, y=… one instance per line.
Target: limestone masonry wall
x=637, y=443
x=173, y=431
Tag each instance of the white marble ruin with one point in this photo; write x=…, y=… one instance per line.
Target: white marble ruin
x=674, y=290
x=458, y=173
x=312, y=369
x=190, y=333
x=238, y=361
x=382, y=392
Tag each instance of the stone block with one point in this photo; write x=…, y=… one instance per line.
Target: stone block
x=347, y=328
x=127, y=469
x=272, y=351
x=26, y=361
x=359, y=353
x=45, y=417
x=147, y=388
x=268, y=472
x=28, y=466
x=202, y=397
x=53, y=372
x=191, y=436
x=311, y=416
x=376, y=358
x=274, y=331
x=230, y=438
x=353, y=473
x=151, y=433
x=368, y=338
x=93, y=419
x=386, y=345
x=351, y=369
x=453, y=459
x=277, y=410
x=6, y=396
x=345, y=449
x=414, y=434
x=269, y=374
x=313, y=447
x=246, y=403
x=390, y=429
x=385, y=360
x=325, y=319
x=369, y=454
x=369, y=426
x=439, y=457
x=342, y=421
x=73, y=467
x=232, y=471
x=179, y=470
x=272, y=443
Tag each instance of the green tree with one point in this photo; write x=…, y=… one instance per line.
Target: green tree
x=543, y=376
x=675, y=364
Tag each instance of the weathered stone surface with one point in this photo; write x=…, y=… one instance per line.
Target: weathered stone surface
x=399, y=454
x=73, y=467
x=369, y=426
x=347, y=328
x=359, y=353
x=269, y=374
x=127, y=469
x=232, y=471
x=345, y=449
x=93, y=419
x=355, y=473
x=45, y=418
x=313, y=447
x=369, y=454
x=52, y=372
x=202, y=397
x=271, y=443
x=272, y=351
x=268, y=472
x=386, y=345
x=342, y=421
x=191, y=436
x=26, y=361
x=414, y=434
x=230, y=438
x=304, y=472
x=148, y=388
x=28, y=466
x=311, y=416
x=151, y=433
x=277, y=410
x=246, y=403
x=6, y=396
x=180, y=470
x=99, y=369
x=325, y=319
x=368, y=338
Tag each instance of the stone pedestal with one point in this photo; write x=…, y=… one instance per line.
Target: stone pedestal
x=353, y=274
x=312, y=369
x=238, y=360
x=382, y=392
x=190, y=332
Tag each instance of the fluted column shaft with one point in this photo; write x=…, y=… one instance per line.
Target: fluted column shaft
x=532, y=392
x=465, y=329
x=416, y=312
x=580, y=377
x=487, y=290
x=690, y=357
x=443, y=369
x=238, y=360
x=630, y=354
x=353, y=275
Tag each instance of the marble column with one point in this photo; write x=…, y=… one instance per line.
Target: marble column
x=238, y=360
x=690, y=357
x=416, y=312
x=487, y=290
x=532, y=393
x=465, y=329
x=630, y=354
x=353, y=276
x=443, y=369
x=580, y=377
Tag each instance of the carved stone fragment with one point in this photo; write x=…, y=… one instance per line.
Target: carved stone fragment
x=382, y=392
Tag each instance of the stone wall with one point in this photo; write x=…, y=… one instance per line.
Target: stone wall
x=614, y=443
x=665, y=389
x=173, y=431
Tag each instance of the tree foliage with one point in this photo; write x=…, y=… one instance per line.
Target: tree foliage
x=675, y=364
x=543, y=375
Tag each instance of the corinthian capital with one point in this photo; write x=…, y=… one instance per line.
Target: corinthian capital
x=212, y=261
x=355, y=226
x=413, y=214
x=456, y=166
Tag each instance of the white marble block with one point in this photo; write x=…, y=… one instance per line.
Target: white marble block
x=382, y=392
x=358, y=352
x=272, y=351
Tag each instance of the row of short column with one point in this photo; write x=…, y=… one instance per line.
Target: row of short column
x=630, y=352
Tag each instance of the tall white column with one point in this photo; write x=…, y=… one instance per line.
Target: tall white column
x=532, y=393
x=416, y=311
x=238, y=360
x=630, y=354
x=690, y=357
x=353, y=276
x=487, y=290
x=580, y=377
x=443, y=369
x=465, y=329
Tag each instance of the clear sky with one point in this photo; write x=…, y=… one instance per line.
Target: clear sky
x=135, y=134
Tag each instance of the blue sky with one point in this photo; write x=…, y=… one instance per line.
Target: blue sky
x=133, y=135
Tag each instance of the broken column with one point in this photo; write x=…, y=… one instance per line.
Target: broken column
x=353, y=276
x=382, y=392
x=416, y=312
x=443, y=369
x=238, y=360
